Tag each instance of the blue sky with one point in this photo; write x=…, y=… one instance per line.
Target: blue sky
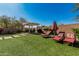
x=44, y=13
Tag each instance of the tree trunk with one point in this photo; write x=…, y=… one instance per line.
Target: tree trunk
x=6, y=25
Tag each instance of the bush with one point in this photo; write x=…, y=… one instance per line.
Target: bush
x=76, y=31
x=1, y=29
x=18, y=30
x=10, y=31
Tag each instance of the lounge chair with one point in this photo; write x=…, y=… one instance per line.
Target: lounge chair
x=47, y=34
x=50, y=33
x=41, y=31
x=59, y=37
x=70, y=38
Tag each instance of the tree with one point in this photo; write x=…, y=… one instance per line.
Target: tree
x=5, y=20
x=11, y=23
x=22, y=22
x=1, y=23
x=75, y=9
x=17, y=24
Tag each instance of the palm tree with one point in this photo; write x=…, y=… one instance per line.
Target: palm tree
x=75, y=9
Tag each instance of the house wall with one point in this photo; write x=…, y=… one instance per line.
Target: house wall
x=30, y=26
x=68, y=28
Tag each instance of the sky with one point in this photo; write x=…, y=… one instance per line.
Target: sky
x=43, y=13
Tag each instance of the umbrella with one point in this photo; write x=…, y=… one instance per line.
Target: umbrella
x=54, y=26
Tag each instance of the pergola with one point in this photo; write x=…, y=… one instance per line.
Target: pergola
x=32, y=26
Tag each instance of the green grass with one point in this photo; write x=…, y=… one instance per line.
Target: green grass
x=35, y=45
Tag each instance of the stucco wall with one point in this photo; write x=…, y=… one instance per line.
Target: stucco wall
x=68, y=28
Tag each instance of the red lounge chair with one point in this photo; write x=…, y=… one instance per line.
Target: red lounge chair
x=59, y=37
x=51, y=32
x=46, y=34
x=41, y=31
x=70, y=38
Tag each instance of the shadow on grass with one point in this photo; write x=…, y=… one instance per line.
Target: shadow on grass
x=76, y=44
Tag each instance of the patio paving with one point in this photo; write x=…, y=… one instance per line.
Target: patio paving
x=16, y=35
x=7, y=37
x=12, y=36
x=1, y=38
x=22, y=34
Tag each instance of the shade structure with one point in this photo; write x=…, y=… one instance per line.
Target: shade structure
x=54, y=26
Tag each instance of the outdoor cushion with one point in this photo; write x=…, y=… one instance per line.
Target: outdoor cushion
x=48, y=33
x=57, y=38
x=70, y=37
x=70, y=40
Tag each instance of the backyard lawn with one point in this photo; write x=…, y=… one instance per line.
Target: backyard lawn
x=35, y=45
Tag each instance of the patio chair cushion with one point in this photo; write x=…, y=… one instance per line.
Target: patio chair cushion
x=70, y=37
x=57, y=38
x=70, y=40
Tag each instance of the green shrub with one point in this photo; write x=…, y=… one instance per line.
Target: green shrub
x=76, y=31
